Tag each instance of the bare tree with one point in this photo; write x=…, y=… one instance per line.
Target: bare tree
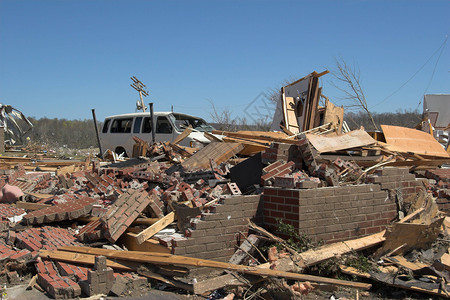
x=349, y=82
x=223, y=119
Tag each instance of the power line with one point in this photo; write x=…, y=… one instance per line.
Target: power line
x=414, y=75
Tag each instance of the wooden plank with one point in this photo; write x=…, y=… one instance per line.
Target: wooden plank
x=167, y=259
x=40, y=196
x=445, y=260
x=129, y=240
x=219, y=152
x=31, y=205
x=315, y=256
x=87, y=259
x=290, y=117
x=415, y=236
x=406, y=140
x=259, y=137
x=211, y=137
x=219, y=282
x=183, y=135
x=352, y=139
x=401, y=261
x=334, y=114
x=155, y=228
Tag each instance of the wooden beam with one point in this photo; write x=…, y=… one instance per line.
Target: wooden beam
x=255, y=137
x=31, y=205
x=167, y=259
x=183, y=135
x=87, y=259
x=315, y=256
x=155, y=228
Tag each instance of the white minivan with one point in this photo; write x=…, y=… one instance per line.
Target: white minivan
x=117, y=131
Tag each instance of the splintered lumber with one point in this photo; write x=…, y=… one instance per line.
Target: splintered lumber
x=401, y=261
x=183, y=135
x=218, y=283
x=129, y=240
x=290, y=114
x=261, y=136
x=216, y=151
x=315, y=256
x=167, y=259
x=393, y=280
x=148, y=273
x=155, y=228
x=406, y=140
x=352, y=139
x=415, y=236
x=31, y=205
x=334, y=114
x=87, y=259
x=211, y=137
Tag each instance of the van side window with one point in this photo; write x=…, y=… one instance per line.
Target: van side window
x=106, y=125
x=137, y=125
x=121, y=125
x=163, y=125
x=147, y=127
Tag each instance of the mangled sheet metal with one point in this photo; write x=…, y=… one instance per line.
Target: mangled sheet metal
x=15, y=124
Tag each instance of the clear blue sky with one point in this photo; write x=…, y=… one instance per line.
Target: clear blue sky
x=59, y=59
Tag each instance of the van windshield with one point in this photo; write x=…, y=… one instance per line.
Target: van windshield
x=183, y=121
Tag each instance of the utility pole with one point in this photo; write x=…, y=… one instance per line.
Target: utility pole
x=139, y=86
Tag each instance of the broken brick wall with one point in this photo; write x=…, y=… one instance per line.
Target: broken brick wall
x=398, y=180
x=339, y=213
x=216, y=234
x=330, y=214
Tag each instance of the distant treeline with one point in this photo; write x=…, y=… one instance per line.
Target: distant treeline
x=80, y=134
x=405, y=118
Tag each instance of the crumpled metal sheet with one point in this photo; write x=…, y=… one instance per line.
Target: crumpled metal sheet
x=14, y=123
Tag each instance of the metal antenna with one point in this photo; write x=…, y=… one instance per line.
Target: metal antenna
x=139, y=86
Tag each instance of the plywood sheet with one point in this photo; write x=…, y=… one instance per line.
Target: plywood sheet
x=402, y=139
x=352, y=139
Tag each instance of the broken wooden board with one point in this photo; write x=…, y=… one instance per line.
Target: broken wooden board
x=218, y=152
x=352, y=139
x=334, y=115
x=129, y=240
x=183, y=135
x=167, y=259
x=391, y=280
x=31, y=205
x=401, y=261
x=315, y=256
x=155, y=228
x=251, y=147
x=87, y=259
x=445, y=260
x=290, y=114
x=259, y=136
x=218, y=283
x=406, y=140
x=415, y=236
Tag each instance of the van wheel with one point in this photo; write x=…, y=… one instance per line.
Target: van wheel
x=120, y=150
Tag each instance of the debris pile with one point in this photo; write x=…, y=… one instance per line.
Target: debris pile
x=251, y=213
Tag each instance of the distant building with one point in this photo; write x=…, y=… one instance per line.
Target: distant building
x=437, y=107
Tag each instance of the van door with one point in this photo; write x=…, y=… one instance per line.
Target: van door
x=144, y=128
x=164, y=130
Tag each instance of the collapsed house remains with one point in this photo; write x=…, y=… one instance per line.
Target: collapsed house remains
x=201, y=222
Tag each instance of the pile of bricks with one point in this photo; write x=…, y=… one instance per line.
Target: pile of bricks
x=99, y=206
